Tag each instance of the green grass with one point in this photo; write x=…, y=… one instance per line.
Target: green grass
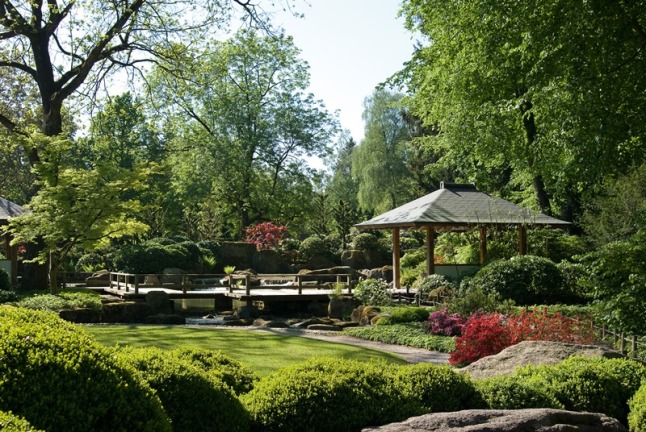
x=261, y=351
x=409, y=334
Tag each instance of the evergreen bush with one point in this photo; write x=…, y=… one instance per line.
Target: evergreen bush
x=509, y=392
x=373, y=292
x=366, y=242
x=57, y=377
x=239, y=378
x=13, y=423
x=327, y=394
x=527, y=280
x=313, y=246
x=193, y=399
x=434, y=285
x=637, y=414
x=408, y=314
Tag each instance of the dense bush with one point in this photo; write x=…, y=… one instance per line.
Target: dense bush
x=471, y=299
x=637, y=413
x=57, y=377
x=265, y=235
x=408, y=314
x=327, y=395
x=442, y=323
x=436, y=388
x=193, y=399
x=153, y=256
x=12, y=423
x=5, y=281
x=66, y=299
x=591, y=384
x=239, y=378
x=8, y=296
x=484, y=335
x=91, y=262
x=373, y=292
x=313, y=246
x=366, y=242
x=433, y=286
x=508, y=392
x=411, y=334
x=556, y=245
x=527, y=280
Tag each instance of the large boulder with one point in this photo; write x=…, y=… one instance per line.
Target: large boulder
x=159, y=302
x=341, y=307
x=98, y=279
x=268, y=261
x=383, y=273
x=361, y=259
x=534, y=353
x=328, y=274
x=239, y=254
x=525, y=420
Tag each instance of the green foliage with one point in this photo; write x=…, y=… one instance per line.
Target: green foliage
x=526, y=280
x=5, y=282
x=408, y=314
x=8, y=296
x=471, y=299
x=91, y=262
x=366, y=242
x=239, y=378
x=555, y=244
x=591, y=384
x=373, y=292
x=192, y=398
x=327, y=394
x=413, y=258
x=155, y=255
x=413, y=335
x=58, y=378
x=616, y=279
x=637, y=414
x=509, y=392
x=13, y=423
x=67, y=299
x=434, y=286
x=313, y=246
x=436, y=388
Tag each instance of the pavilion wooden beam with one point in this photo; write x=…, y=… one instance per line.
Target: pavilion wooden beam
x=483, y=244
x=430, y=250
x=522, y=240
x=396, y=256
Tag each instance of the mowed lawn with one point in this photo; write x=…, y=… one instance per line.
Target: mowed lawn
x=263, y=352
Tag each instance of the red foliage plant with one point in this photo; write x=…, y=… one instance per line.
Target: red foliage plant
x=484, y=335
x=265, y=235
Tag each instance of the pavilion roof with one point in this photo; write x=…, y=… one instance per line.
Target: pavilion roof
x=9, y=209
x=458, y=207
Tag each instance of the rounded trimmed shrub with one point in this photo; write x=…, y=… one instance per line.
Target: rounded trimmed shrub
x=313, y=246
x=193, y=399
x=373, y=292
x=239, y=378
x=434, y=285
x=408, y=314
x=366, y=242
x=57, y=377
x=327, y=394
x=637, y=414
x=13, y=423
x=527, y=280
x=436, y=388
x=509, y=392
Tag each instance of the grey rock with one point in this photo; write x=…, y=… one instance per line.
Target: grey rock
x=159, y=302
x=534, y=353
x=526, y=420
x=99, y=279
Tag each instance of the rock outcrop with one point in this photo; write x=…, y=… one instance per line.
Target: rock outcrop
x=535, y=353
x=526, y=420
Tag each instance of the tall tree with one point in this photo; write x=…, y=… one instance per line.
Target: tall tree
x=552, y=89
x=342, y=185
x=244, y=134
x=379, y=163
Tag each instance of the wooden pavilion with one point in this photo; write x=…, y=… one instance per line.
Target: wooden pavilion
x=10, y=209
x=457, y=207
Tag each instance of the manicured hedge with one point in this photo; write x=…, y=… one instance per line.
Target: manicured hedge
x=637, y=414
x=327, y=395
x=508, y=392
x=193, y=399
x=57, y=377
x=408, y=315
x=239, y=378
x=13, y=423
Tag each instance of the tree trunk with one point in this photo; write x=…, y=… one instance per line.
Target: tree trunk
x=53, y=274
x=529, y=124
x=541, y=196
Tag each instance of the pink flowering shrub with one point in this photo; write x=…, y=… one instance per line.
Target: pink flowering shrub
x=265, y=235
x=442, y=323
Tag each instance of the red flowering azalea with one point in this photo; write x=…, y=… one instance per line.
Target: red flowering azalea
x=265, y=235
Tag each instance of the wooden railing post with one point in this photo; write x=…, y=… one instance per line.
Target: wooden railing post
x=247, y=281
x=299, y=280
x=349, y=281
x=136, y=285
x=634, y=346
x=230, y=283
x=184, y=278
x=622, y=349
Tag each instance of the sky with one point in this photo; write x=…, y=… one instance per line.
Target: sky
x=351, y=47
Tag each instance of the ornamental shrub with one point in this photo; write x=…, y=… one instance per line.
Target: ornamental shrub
x=434, y=285
x=8, y=296
x=265, y=235
x=436, y=388
x=442, y=323
x=239, y=378
x=5, y=282
x=366, y=242
x=637, y=413
x=313, y=246
x=509, y=392
x=527, y=280
x=193, y=399
x=373, y=292
x=592, y=384
x=408, y=315
x=482, y=335
x=327, y=394
x=57, y=377
x=13, y=423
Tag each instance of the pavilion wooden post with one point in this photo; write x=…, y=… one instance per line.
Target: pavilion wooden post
x=12, y=256
x=483, y=244
x=522, y=240
x=396, y=255
x=430, y=250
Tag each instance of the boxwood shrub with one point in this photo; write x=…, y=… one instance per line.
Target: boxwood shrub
x=13, y=423
x=637, y=414
x=436, y=388
x=193, y=399
x=239, y=378
x=327, y=394
x=592, y=384
x=373, y=292
x=510, y=392
x=408, y=314
x=57, y=377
